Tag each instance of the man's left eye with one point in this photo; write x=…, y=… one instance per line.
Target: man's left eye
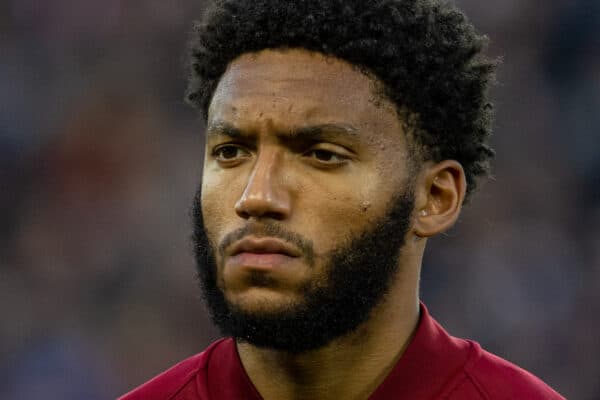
x=326, y=156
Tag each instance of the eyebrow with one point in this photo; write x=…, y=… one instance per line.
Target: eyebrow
x=224, y=129
x=319, y=130
x=309, y=132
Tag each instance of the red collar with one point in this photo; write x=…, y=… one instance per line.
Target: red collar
x=432, y=360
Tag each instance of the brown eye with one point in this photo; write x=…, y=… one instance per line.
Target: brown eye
x=323, y=155
x=229, y=153
x=326, y=157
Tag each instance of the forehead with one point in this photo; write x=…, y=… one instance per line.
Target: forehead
x=297, y=87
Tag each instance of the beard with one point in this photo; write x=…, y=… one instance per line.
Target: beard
x=358, y=276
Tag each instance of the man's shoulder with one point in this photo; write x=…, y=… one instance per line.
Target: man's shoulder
x=497, y=379
x=174, y=382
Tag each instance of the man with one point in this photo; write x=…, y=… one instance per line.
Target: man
x=341, y=134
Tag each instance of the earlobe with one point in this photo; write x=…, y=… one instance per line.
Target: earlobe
x=439, y=198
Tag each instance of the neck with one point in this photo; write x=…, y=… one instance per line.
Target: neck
x=350, y=367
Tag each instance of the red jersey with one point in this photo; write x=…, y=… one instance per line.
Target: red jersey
x=435, y=365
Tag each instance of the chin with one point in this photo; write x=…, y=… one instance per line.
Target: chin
x=259, y=300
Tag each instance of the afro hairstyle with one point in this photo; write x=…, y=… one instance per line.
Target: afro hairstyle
x=426, y=53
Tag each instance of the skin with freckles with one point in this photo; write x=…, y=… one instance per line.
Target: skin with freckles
x=303, y=140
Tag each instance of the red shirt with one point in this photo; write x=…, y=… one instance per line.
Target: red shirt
x=435, y=365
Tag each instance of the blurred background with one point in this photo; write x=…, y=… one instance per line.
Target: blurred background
x=100, y=159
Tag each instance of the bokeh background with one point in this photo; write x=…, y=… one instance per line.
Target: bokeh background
x=100, y=158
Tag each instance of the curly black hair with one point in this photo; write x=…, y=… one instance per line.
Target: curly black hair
x=426, y=53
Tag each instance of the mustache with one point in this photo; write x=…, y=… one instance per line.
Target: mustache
x=271, y=230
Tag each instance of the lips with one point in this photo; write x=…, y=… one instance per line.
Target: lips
x=264, y=246
x=265, y=254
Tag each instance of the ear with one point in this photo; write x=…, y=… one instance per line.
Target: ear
x=439, y=196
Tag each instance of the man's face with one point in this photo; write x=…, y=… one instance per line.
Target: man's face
x=304, y=201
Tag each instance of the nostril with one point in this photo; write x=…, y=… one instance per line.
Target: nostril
x=263, y=204
x=243, y=214
x=261, y=212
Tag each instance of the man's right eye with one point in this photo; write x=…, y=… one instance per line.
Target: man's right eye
x=229, y=153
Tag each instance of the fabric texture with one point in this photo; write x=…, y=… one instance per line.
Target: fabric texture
x=435, y=365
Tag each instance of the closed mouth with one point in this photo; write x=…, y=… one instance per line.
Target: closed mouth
x=264, y=245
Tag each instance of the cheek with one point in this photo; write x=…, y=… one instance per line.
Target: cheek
x=342, y=212
x=218, y=205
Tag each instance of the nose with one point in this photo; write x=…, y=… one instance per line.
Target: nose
x=265, y=195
